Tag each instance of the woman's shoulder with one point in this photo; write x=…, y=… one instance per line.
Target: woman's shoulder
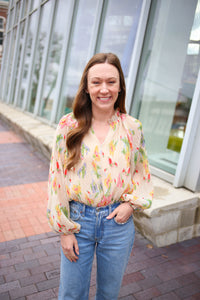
x=68, y=121
x=130, y=122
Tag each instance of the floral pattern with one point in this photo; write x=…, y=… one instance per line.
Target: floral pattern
x=114, y=171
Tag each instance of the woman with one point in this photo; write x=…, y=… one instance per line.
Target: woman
x=99, y=175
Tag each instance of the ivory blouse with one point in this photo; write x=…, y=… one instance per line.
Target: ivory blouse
x=115, y=170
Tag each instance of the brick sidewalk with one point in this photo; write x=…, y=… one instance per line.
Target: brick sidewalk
x=29, y=269
x=30, y=253
x=23, y=188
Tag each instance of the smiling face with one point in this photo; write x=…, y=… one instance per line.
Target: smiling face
x=103, y=87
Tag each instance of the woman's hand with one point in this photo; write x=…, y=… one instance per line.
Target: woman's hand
x=70, y=247
x=122, y=213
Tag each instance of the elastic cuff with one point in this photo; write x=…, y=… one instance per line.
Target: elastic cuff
x=135, y=208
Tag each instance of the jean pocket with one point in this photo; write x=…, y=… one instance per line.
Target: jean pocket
x=74, y=214
x=124, y=223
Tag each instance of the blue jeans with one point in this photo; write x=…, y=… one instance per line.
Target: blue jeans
x=113, y=243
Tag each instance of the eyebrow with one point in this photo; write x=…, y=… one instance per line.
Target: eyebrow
x=99, y=78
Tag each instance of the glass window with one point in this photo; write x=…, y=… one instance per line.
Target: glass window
x=24, y=8
x=1, y=23
x=17, y=12
x=78, y=51
x=12, y=3
x=1, y=38
x=34, y=4
x=5, y=57
x=39, y=56
x=167, y=78
x=10, y=63
x=119, y=29
x=27, y=58
x=57, y=39
x=18, y=58
x=11, y=18
x=2, y=20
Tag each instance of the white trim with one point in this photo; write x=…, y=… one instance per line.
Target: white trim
x=137, y=52
x=161, y=174
x=189, y=138
x=192, y=178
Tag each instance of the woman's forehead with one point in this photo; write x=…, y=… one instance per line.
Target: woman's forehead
x=103, y=70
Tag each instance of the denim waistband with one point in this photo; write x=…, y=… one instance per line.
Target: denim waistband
x=90, y=209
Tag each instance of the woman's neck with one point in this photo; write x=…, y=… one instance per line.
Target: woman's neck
x=103, y=117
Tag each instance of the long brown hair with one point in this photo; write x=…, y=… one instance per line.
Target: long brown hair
x=82, y=107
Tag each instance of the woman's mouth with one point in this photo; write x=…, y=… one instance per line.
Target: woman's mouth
x=104, y=99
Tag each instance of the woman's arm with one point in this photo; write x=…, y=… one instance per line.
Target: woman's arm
x=58, y=212
x=141, y=195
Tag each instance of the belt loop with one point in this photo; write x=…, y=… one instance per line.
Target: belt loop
x=83, y=210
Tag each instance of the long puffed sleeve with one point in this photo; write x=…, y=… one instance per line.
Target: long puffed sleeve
x=141, y=194
x=58, y=212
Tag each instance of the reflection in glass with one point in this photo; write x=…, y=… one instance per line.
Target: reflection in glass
x=77, y=54
x=187, y=86
x=119, y=29
x=167, y=78
x=34, y=4
x=17, y=12
x=39, y=56
x=21, y=42
x=5, y=57
x=57, y=40
x=27, y=58
x=10, y=63
x=24, y=8
x=11, y=18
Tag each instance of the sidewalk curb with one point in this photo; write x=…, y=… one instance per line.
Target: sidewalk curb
x=35, y=132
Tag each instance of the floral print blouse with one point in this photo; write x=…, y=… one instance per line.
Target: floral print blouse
x=115, y=170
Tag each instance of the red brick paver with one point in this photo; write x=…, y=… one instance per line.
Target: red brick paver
x=23, y=188
x=9, y=137
x=23, y=210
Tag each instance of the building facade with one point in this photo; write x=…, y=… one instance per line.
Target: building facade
x=3, y=17
x=47, y=44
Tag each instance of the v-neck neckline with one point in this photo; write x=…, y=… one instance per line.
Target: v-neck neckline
x=113, y=119
x=106, y=137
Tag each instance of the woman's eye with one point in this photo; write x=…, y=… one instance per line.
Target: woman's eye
x=96, y=82
x=111, y=82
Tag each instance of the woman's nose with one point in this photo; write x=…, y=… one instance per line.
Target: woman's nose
x=104, y=88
